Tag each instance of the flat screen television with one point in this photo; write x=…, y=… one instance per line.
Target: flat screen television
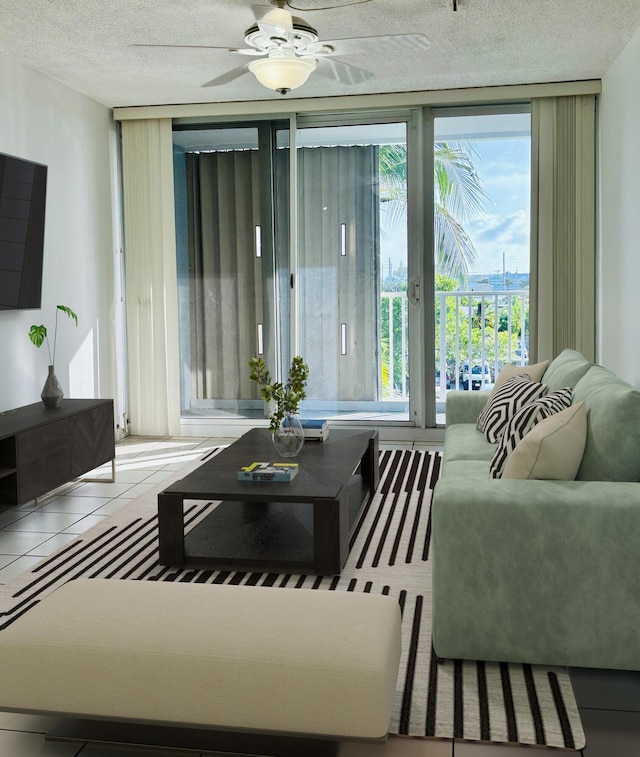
x=23, y=191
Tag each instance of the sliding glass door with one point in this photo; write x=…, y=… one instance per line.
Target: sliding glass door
x=313, y=236
x=351, y=264
x=482, y=197
x=337, y=297
x=227, y=269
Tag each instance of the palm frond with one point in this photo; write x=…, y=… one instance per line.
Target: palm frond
x=459, y=197
x=455, y=254
x=458, y=186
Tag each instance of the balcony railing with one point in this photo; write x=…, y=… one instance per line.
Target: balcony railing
x=476, y=334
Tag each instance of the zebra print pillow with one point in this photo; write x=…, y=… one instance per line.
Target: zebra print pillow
x=505, y=403
x=523, y=421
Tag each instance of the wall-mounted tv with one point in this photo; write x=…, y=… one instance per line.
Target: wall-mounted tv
x=23, y=191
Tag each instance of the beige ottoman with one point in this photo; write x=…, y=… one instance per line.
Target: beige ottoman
x=295, y=661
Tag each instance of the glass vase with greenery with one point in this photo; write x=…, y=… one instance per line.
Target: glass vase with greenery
x=286, y=396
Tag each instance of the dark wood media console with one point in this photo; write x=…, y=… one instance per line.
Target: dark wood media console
x=41, y=449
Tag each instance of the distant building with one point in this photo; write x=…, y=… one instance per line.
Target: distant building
x=496, y=281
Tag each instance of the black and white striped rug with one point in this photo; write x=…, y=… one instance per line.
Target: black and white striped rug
x=475, y=701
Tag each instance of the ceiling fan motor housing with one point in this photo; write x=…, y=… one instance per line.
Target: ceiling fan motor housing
x=303, y=35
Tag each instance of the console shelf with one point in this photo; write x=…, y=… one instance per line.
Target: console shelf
x=41, y=449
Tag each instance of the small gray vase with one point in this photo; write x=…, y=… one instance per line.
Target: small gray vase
x=52, y=393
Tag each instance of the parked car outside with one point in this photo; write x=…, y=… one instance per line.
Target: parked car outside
x=447, y=379
x=480, y=375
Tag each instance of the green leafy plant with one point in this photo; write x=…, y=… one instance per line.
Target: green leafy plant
x=286, y=396
x=38, y=334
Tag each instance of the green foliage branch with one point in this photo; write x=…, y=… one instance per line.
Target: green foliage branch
x=286, y=396
x=38, y=334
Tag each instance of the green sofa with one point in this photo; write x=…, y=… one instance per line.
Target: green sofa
x=542, y=571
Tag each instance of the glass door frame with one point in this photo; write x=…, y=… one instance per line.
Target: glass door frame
x=415, y=238
x=429, y=114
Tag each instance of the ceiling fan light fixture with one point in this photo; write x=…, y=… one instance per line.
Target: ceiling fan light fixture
x=282, y=74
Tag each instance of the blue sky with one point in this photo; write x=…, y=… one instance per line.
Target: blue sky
x=504, y=167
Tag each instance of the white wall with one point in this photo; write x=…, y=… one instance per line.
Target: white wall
x=43, y=121
x=619, y=217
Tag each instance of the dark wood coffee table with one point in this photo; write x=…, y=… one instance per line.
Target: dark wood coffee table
x=301, y=526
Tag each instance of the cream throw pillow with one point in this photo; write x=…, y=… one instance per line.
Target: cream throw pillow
x=521, y=424
x=552, y=449
x=535, y=372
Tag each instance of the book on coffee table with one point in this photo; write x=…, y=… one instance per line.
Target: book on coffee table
x=315, y=429
x=268, y=472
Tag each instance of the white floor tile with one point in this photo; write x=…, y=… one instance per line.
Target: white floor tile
x=136, y=490
x=10, y=516
x=44, y=522
x=84, y=524
x=99, y=489
x=112, y=506
x=20, y=542
x=18, y=566
x=6, y=559
x=75, y=504
x=158, y=477
x=51, y=545
x=142, y=464
x=126, y=476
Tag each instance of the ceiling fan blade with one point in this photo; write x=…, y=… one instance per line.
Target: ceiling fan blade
x=194, y=47
x=387, y=44
x=230, y=76
x=342, y=72
x=238, y=50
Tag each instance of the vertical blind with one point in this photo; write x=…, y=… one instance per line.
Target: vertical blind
x=150, y=269
x=563, y=226
x=223, y=192
x=338, y=264
x=338, y=276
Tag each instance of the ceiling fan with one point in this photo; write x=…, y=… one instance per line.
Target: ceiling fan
x=288, y=49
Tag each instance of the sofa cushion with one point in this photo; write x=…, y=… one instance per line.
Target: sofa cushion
x=464, y=469
x=535, y=372
x=522, y=423
x=566, y=370
x=612, y=451
x=552, y=449
x=510, y=397
x=464, y=442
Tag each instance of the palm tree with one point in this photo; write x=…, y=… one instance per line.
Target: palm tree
x=459, y=197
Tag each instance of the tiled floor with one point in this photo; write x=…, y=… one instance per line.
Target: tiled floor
x=609, y=701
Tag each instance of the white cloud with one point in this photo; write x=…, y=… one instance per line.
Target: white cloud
x=493, y=234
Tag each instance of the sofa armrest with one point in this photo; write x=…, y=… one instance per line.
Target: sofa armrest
x=464, y=406
x=543, y=572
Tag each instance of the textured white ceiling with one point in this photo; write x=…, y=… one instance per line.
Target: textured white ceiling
x=88, y=44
